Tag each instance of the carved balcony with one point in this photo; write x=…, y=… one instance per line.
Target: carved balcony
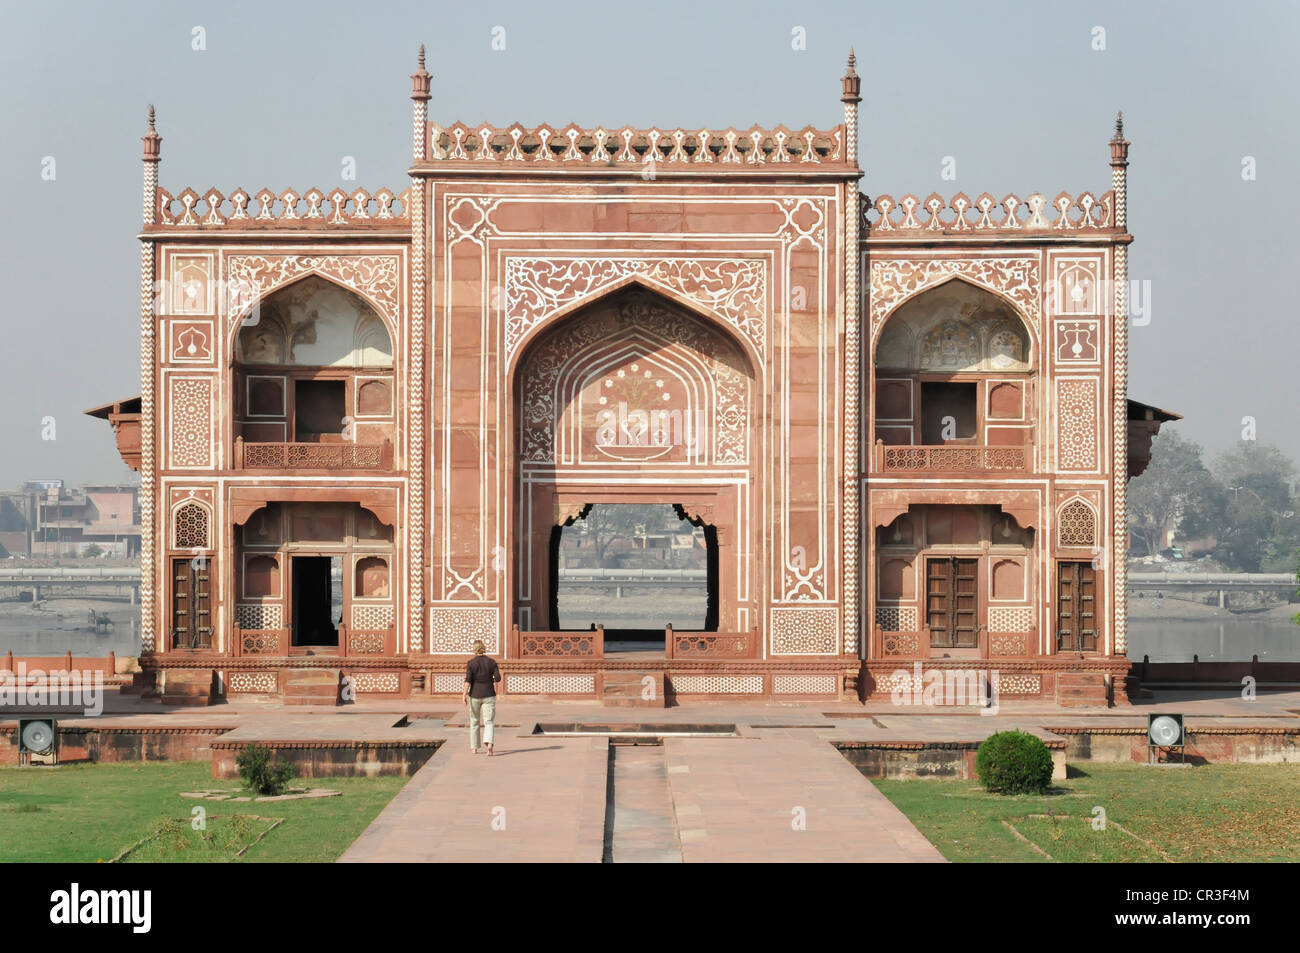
x=313, y=456
x=967, y=460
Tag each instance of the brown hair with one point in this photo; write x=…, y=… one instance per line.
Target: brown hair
x=479, y=647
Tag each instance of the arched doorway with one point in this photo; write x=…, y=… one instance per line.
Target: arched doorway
x=635, y=400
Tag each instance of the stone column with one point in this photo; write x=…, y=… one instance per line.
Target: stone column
x=1119, y=573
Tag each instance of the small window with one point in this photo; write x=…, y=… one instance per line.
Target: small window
x=319, y=409
x=948, y=412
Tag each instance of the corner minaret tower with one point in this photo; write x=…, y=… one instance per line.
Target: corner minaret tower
x=148, y=426
x=1119, y=183
x=420, y=83
x=853, y=434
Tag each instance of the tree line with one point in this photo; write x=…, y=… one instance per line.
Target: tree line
x=1241, y=509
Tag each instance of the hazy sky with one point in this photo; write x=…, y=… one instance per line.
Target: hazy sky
x=1014, y=91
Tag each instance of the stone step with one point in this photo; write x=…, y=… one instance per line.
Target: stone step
x=311, y=686
x=1080, y=690
x=189, y=687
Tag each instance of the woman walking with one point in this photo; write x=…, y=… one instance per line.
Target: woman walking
x=481, y=679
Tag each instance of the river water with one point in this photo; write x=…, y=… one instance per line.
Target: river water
x=1214, y=640
x=28, y=633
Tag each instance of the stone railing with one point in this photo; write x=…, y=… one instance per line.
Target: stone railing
x=367, y=641
x=960, y=214
x=261, y=641
x=629, y=146
x=587, y=643
x=312, y=456
x=710, y=645
x=960, y=459
x=992, y=644
x=288, y=209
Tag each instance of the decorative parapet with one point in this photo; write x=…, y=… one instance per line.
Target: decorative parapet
x=959, y=215
x=675, y=148
x=288, y=209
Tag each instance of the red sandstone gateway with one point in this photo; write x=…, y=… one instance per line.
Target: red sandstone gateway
x=905, y=421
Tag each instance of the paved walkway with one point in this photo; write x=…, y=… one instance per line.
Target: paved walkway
x=537, y=799
x=770, y=795
x=783, y=796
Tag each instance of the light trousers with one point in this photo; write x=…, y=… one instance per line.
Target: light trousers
x=487, y=707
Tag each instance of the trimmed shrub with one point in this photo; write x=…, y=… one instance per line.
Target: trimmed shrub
x=260, y=773
x=1014, y=762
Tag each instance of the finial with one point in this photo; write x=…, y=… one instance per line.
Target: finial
x=1118, y=144
x=852, y=82
x=152, y=141
x=420, y=80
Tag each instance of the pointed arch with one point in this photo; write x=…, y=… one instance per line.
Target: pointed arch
x=629, y=284
x=191, y=525
x=1076, y=523
x=252, y=314
x=956, y=324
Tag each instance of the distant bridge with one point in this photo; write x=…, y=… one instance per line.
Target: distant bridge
x=1221, y=582
x=42, y=582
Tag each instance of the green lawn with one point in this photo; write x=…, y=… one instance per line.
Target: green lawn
x=90, y=812
x=1221, y=812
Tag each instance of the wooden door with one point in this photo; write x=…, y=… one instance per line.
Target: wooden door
x=1076, y=607
x=191, y=603
x=952, y=602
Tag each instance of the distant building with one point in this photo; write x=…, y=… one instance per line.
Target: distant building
x=46, y=519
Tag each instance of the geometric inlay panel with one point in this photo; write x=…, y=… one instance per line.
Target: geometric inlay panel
x=897, y=681
x=1019, y=685
x=805, y=631
x=189, y=421
x=552, y=684
x=803, y=684
x=371, y=617
x=1015, y=619
x=1076, y=415
x=255, y=615
x=447, y=684
x=896, y=618
x=717, y=684
x=381, y=682
x=453, y=631
x=265, y=683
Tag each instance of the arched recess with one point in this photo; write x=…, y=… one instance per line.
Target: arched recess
x=313, y=321
x=634, y=398
x=254, y=311
x=955, y=363
x=298, y=364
